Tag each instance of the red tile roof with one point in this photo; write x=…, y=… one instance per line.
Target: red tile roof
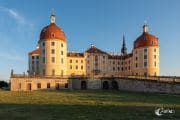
x=145, y=39
x=94, y=49
x=73, y=54
x=36, y=51
x=52, y=31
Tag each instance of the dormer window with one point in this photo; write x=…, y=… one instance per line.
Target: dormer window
x=52, y=35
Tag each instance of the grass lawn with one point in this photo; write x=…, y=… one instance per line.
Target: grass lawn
x=86, y=105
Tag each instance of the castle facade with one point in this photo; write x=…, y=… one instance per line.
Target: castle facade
x=52, y=59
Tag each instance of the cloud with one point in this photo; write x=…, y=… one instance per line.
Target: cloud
x=15, y=15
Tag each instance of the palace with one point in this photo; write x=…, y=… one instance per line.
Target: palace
x=52, y=59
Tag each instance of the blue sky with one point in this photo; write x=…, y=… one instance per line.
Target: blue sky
x=85, y=22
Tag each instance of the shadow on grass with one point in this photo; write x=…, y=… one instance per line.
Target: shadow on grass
x=80, y=112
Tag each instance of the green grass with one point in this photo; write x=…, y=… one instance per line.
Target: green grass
x=85, y=105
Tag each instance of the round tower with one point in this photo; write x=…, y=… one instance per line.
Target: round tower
x=53, y=50
x=146, y=54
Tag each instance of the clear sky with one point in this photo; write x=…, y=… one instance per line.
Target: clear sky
x=100, y=22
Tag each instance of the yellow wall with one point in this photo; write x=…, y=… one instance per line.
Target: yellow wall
x=76, y=66
x=105, y=66
x=59, y=67
x=151, y=69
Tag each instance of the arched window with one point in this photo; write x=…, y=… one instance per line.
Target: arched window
x=57, y=86
x=52, y=35
x=48, y=85
x=66, y=85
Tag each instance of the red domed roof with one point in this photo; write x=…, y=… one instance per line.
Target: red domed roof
x=146, y=39
x=52, y=31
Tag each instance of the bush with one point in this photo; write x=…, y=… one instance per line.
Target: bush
x=3, y=84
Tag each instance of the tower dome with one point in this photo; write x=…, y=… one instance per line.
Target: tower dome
x=52, y=31
x=146, y=39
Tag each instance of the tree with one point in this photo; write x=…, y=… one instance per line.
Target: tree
x=3, y=84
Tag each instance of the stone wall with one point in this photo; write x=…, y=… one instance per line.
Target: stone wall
x=148, y=86
x=28, y=83
x=126, y=84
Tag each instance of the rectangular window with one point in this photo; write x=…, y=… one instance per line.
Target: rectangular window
x=96, y=58
x=52, y=43
x=43, y=51
x=19, y=85
x=76, y=67
x=136, y=58
x=37, y=57
x=70, y=66
x=81, y=61
x=154, y=56
x=154, y=49
x=76, y=61
x=52, y=51
x=145, y=64
x=145, y=56
x=62, y=61
x=43, y=59
x=81, y=67
x=53, y=59
x=48, y=85
x=61, y=44
x=39, y=85
x=70, y=61
x=32, y=57
x=113, y=68
x=136, y=65
x=155, y=63
x=53, y=72
x=61, y=52
x=43, y=44
x=145, y=50
x=33, y=62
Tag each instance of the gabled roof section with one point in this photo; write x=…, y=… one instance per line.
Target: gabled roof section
x=36, y=51
x=94, y=49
